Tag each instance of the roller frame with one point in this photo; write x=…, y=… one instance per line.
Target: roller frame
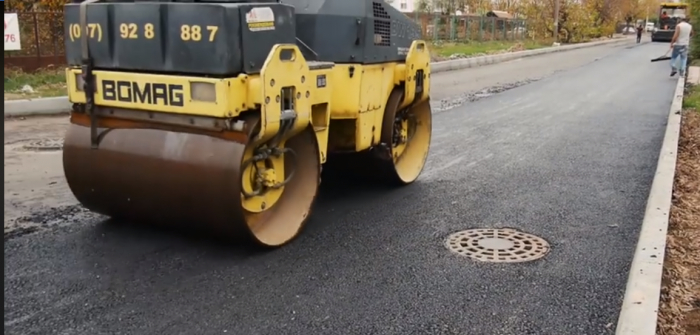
x=229, y=119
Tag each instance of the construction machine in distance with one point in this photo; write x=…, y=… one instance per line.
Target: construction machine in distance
x=675, y=11
x=219, y=114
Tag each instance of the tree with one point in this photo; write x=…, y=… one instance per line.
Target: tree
x=28, y=5
x=583, y=19
x=423, y=6
x=449, y=7
x=577, y=19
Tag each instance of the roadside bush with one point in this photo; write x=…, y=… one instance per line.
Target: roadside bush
x=695, y=21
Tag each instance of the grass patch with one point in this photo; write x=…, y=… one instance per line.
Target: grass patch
x=49, y=82
x=692, y=99
x=447, y=49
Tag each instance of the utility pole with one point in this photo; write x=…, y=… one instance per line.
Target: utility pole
x=556, y=21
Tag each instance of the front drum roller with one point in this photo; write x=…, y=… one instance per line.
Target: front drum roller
x=191, y=180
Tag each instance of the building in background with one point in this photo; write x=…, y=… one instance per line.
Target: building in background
x=406, y=6
x=436, y=6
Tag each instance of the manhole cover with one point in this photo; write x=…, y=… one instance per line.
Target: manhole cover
x=44, y=145
x=497, y=245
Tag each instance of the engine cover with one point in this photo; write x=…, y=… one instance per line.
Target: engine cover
x=214, y=39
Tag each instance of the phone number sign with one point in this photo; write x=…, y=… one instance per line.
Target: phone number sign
x=12, y=32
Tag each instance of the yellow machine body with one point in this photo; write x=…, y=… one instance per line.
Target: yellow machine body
x=211, y=128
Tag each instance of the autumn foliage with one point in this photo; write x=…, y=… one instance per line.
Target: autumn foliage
x=579, y=20
x=34, y=5
x=40, y=25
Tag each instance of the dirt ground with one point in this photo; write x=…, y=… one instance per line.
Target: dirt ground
x=680, y=295
x=34, y=182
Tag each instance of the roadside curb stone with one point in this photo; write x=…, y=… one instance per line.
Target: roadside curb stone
x=465, y=63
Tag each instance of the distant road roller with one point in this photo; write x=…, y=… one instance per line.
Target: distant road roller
x=219, y=114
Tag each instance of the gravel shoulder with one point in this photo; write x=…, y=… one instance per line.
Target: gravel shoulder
x=34, y=182
x=679, y=312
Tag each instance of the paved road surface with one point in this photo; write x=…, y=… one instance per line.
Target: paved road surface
x=35, y=181
x=569, y=158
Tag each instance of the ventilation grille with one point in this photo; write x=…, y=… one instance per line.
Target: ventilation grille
x=379, y=12
x=382, y=25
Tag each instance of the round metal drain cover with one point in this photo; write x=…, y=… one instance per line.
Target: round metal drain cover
x=44, y=145
x=497, y=245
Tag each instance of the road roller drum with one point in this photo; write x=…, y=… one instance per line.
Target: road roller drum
x=219, y=115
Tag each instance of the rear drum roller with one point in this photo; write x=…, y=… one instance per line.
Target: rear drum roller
x=196, y=181
x=401, y=156
x=406, y=135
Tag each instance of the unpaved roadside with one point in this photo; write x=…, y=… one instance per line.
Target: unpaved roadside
x=34, y=182
x=680, y=294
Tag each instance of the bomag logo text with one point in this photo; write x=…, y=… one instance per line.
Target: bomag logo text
x=143, y=93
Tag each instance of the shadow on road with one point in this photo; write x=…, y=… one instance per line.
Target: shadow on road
x=339, y=196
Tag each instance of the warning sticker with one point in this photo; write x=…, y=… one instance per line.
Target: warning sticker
x=12, y=32
x=260, y=19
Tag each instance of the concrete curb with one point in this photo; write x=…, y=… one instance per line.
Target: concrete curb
x=42, y=106
x=465, y=63
x=640, y=307
x=59, y=105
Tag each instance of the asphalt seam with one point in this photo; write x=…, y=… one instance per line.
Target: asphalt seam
x=470, y=96
x=61, y=105
x=640, y=307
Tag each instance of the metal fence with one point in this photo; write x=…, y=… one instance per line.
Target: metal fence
x=469, y=28
x=42, y=34
x=41, y=38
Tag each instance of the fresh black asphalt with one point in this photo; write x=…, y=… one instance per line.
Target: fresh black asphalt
x=569, y=158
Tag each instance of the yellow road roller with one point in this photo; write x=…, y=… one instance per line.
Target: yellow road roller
x=219, y=114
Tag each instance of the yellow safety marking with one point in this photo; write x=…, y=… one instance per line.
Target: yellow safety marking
x=164, y=93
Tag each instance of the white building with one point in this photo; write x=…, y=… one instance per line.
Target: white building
x=409, y=6
x=406, y=6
